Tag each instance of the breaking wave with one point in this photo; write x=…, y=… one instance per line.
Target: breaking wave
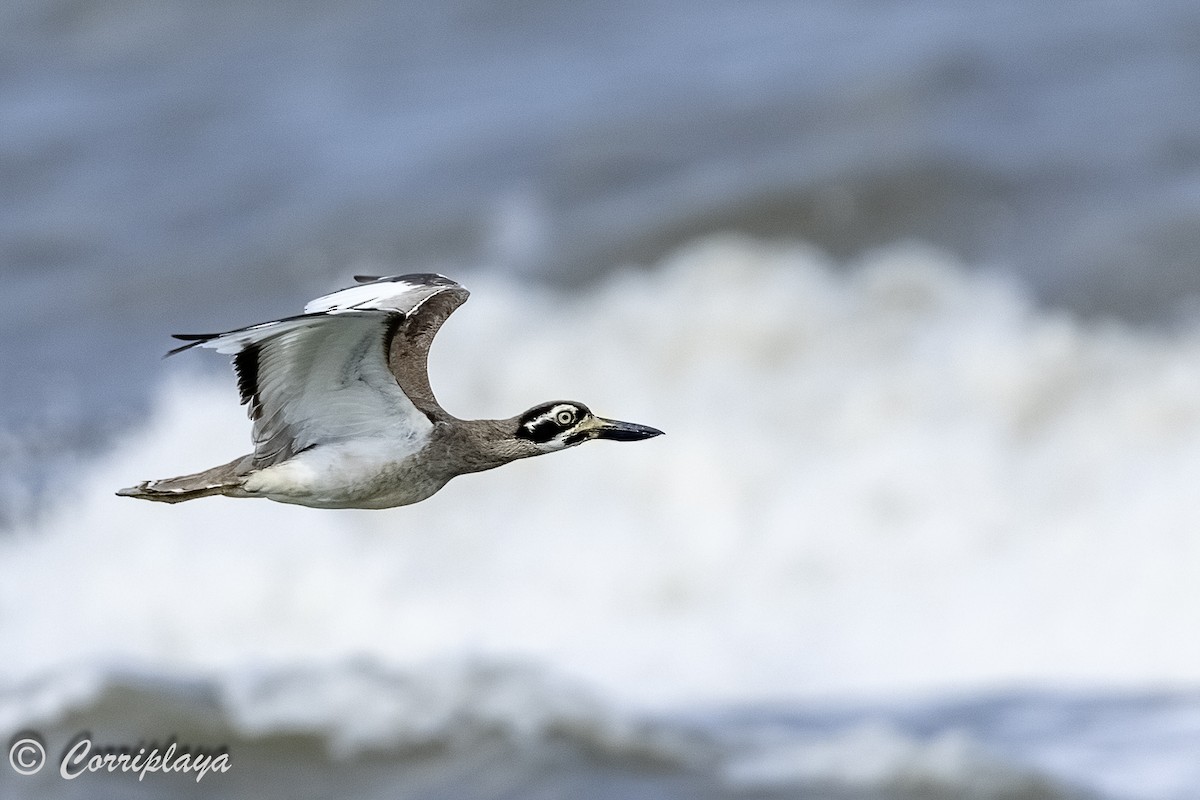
x=887, y=479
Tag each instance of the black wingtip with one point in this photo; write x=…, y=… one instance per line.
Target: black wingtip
x=192, y=340
x=366, y=278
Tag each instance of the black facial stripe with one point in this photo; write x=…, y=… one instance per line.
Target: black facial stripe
x=540, y=424
x=541, y=430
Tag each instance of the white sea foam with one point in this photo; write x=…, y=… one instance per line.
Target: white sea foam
x=454, y=706
x=896, y=477
x=880, y=757
x=358, y=706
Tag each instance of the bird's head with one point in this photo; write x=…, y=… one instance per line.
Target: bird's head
x=562, y=423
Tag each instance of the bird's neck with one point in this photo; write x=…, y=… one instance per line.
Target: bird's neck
x=480, y=444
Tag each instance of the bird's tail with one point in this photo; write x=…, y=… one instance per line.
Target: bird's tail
x=225, y=479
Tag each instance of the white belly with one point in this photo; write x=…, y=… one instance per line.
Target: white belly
x=358, y=474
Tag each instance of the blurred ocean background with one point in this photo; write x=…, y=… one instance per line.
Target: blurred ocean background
x=911, y=286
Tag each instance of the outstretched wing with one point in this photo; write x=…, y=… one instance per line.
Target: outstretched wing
x=408, y=347
x=429, y=300
x=324, y=376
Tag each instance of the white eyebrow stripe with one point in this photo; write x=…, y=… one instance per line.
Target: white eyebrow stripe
x=551, y=416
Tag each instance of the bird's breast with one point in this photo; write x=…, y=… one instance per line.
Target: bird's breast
x=348, y=475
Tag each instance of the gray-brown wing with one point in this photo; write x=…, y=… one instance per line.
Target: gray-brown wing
x=425, y=301
x=329, y=374
x=408, y=352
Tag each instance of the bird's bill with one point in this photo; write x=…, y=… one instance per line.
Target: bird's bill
x=622, y=431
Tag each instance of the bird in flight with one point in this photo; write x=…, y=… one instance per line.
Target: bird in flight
x=343, y=413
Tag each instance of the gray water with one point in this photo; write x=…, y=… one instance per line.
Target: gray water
x=161, y=161
x=955, y=506
x=1011, y=746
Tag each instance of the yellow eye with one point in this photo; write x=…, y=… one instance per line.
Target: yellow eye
x=565, y=417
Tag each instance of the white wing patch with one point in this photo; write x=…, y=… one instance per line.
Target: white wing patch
x=323, y=377
x=330, y=383
x=234, y=342
x=385, y=294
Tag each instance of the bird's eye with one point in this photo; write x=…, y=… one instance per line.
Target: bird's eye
x=565, y=417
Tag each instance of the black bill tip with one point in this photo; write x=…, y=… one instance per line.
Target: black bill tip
x=619, y=431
